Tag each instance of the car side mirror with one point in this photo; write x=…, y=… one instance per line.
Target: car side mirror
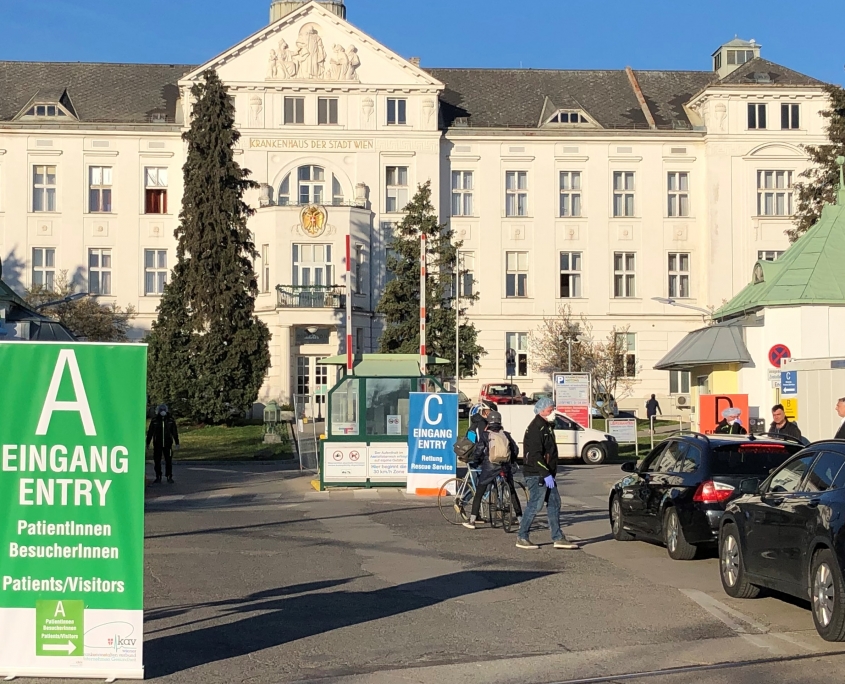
x=749, y=486
x=629, y=467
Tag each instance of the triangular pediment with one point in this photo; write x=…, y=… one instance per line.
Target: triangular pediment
x=314, y=48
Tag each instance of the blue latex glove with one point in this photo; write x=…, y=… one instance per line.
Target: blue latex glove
x=550, y=481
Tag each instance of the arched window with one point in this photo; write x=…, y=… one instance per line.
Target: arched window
x=310, y=189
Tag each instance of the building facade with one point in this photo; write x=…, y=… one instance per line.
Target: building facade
x=596, y=189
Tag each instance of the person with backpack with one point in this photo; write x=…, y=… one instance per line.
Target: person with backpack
x=540, y=470
x=495, y=451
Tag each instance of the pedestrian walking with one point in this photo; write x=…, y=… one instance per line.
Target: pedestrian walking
x=840, y=409
x=540, y=470
x=652, y=408
x=781, y=425
x=165, y=438
x=495, y=451
x=731, y=423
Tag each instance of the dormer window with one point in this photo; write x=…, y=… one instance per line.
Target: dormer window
x=568, y=117
x=46, y=110
x=739, y=57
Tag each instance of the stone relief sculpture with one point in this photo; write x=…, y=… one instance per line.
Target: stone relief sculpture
x=309, y=59
x=721, y=116
x=428, y=109
x=256, y=106
x=367, y=106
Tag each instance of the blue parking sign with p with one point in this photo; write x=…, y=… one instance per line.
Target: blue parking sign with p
x=789, y=383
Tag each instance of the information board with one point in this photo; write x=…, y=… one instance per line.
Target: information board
x=345, y=462
x=573, y=396
x=623, y=429
x=432, y=431
x=72, y=509
x=387, y=463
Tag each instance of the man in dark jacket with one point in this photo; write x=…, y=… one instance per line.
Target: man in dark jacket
x=164, y=437
x=781, y=425
x=540, y=470
x=840, y=411
x=652, y=407
x=490, y=470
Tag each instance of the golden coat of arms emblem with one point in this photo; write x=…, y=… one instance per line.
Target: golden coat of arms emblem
x=313, y=220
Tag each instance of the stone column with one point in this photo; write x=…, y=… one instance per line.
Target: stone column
x=285, y=364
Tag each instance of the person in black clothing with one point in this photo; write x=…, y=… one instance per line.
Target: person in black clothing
x=781, y=425
x=652, y=408
x=540, y=469
x=730, y=425
x=840, y=410
x=165, y=438
x=490, y=470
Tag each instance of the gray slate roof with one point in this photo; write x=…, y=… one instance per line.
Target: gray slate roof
x=778, y=75
x=107, y=93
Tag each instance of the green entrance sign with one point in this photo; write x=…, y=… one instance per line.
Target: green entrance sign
x=59, y=627
x=72, y=509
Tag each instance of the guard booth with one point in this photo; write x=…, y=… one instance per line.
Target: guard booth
x=366, y=437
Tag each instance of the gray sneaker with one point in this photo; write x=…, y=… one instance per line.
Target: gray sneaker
x=563, y=544
x=525, y=544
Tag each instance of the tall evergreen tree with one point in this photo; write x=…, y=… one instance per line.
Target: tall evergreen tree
x=400, y=302
x=208, y=351
x=822, y=179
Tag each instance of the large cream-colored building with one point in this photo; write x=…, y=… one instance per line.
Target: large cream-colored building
x=599, y=189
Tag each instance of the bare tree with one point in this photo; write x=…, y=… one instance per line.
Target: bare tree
x=612, y=365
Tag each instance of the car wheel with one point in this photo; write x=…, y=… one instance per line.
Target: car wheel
x=617, y=521
x=673, y=536
x=593, y=454
x=826, y=591
x=732, y=568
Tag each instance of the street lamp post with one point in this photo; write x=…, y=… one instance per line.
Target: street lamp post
x=65, y=300
x=705, y=313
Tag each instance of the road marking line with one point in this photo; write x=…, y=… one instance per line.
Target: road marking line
x=732, y=618
x=366, y=494
x=165, y=499
x=796, y=641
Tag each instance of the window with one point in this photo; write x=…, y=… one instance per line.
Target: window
x=627, y=345
x=787, y=479
x=43, y=267
x=46, y=110
x=467, y=270
x=516, y=277
x=294, y=110
x=337, y=192
x=397, y=188
x=283, y=198
x=692, y=460
x=326, y=111
x=756, y=116
x=397, y=111
x=568, y=118
x=624, y=274
x=823, y=476
x=774, y=193
x=359, y=269
x=155, y=185
x=570, y=274
x=155, y=271
x=516, y=354
x=43, y=188
x=516, y=193
x=769, y=255
x=99, y=271
x=312, y=184
x=679, y=274
x=312, y=266
x=265, y=268
x=570, y=193
x=717, y=62
x=303, y=375
x=462, y=193
x=671, y=458
x=789, y=116
x=99, y=189
x=678, y=194
x=623, y=193
x=679, y=382
x=740, y=56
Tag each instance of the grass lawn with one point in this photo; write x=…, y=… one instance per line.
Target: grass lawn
x=222, y=443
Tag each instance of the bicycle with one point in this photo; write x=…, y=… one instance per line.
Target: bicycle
x=455, y=499
x=501, y=502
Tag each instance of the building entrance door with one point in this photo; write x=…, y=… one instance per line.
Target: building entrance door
x=312, y=385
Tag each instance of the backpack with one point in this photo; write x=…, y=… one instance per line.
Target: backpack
x=464, y=449
x=498, y=448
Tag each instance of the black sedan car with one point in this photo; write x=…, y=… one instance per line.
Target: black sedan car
x=679, y=492
x=788, y=534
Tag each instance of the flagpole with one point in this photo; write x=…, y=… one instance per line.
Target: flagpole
x=423, y=353
x=349, y=354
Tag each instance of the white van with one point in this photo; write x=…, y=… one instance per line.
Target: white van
x=573, y=440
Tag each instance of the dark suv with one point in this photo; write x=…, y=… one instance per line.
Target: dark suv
x=788, y=534
x=679, y=492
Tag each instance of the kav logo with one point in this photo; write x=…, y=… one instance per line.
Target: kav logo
x=112, y=636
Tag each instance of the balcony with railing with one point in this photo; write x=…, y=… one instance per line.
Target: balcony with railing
x=311, y=296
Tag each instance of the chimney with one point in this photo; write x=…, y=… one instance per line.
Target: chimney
x=415, y=61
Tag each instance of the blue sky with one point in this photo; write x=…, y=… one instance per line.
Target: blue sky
x=567, y=34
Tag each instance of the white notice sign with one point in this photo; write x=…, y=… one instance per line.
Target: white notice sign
x=388, y=463
x=394, y=425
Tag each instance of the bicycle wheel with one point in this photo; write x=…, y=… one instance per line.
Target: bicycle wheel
x=455, y=507
x=522, y=495
x=493, y=499
x=507, y=511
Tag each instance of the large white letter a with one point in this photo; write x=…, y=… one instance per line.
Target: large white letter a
x=67, y=357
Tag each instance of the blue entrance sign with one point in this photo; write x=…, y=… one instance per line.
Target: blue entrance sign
x=789, y=383
x=432, y=431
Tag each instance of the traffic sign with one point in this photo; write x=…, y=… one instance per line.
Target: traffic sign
x=777, y=353
x=789, y=383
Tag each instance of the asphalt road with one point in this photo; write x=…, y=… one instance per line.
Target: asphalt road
x=251, y=576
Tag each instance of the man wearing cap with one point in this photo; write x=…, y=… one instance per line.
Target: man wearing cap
x=165, y=438
x=489, y=470
x=540, y=470
x=730, y=423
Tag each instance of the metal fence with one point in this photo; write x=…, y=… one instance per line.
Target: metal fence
x=306, y=430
